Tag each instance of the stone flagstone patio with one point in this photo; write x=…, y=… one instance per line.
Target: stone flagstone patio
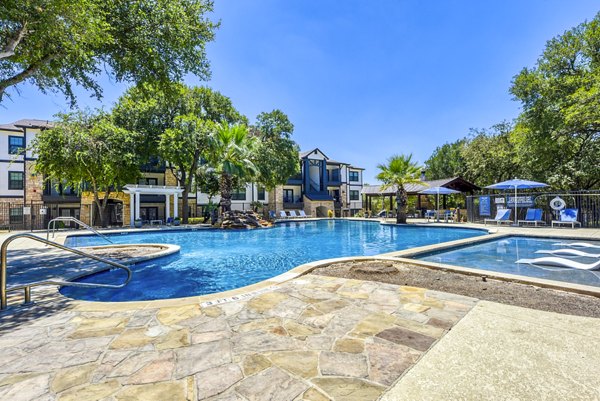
x=313, y=338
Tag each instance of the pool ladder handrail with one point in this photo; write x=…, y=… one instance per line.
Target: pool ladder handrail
x=74, y=220
x=27, y=287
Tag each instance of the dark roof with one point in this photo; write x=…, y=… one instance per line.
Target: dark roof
x=33, y=123
x=18, y=125
x=10, y=127
x=456, y=183
x=304, y=154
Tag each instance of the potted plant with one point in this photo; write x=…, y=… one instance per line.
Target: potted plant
x=176, y=221
x=137, y=223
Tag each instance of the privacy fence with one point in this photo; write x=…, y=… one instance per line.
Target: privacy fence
x=480, y=207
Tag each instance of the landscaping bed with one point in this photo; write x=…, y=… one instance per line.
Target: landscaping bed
x=524, y=295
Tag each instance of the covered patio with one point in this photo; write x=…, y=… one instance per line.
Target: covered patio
x=375, y=191
x=136, y=191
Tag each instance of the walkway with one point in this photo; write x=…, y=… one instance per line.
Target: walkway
x=313, y=338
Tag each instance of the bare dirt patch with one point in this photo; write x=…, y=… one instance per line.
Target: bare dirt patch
x=524, y=295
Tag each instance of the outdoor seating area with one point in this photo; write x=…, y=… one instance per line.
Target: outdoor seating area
x=293, y=214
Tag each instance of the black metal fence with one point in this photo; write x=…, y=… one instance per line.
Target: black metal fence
x=587, y=203
x=29, y=216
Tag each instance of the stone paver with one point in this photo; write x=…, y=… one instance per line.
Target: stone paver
x=313, y=338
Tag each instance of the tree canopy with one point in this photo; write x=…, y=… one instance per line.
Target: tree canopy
x=276, y=154
x=56, y=44
x=177, y=126
x=556, y=137
x=558, y=132
x=88, y=151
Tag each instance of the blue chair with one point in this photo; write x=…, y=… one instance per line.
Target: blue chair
x=567, y=217
x=533, y=216
x=502, y=216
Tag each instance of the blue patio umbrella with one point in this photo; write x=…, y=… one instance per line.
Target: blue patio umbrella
x=516, y=184
x=437, y=191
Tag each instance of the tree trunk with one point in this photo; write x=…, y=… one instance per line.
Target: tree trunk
x=101, y=207
x=401, y=201
x=225, y=183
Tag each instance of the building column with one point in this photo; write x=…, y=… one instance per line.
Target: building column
x=131, y=204
x=175, y=204
x=137, y=205
x=167, y=207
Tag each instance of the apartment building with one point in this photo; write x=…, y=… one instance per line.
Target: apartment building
x=323, y=184
x=28, y=201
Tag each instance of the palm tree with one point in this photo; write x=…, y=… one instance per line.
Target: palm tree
x=399, y=171
x=230, y=155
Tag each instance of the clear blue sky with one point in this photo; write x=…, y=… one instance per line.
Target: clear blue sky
x=364, y=80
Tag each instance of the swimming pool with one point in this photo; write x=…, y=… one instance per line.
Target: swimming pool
x=216, y=260
x=500, y=256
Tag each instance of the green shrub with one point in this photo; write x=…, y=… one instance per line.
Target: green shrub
x=195, y=220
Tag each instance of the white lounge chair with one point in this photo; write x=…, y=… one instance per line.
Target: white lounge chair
x=293, y=214
x=567, y=217
x=302, y=214
x=502, y=216
x=577, y=245
x=560, y=262
x=282, y=214
x=574, y=253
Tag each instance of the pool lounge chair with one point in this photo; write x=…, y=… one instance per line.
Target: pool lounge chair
x=502, y=216
x=533, y=216
x=567, y=217
x=282, y=214
x=560, y=262
x=293, y=214
x=304, y=215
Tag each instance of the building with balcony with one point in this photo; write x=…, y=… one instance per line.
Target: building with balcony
x=323, y=184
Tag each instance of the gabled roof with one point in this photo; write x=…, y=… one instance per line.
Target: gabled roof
x=457, y=183
x=305, y=154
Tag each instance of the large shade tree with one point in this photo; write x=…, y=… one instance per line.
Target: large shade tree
x=398, y=172
x=558, y=132
x=183, y=146
x=175, y=124
x=88, y=151
x=231, y=157
x=57, y=44
x=276, y=154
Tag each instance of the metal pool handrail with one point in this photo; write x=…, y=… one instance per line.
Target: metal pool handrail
x=74, y=220
x=27, y=287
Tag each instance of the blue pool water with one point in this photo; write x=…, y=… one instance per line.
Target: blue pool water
x=215, y=260
x=500, y=256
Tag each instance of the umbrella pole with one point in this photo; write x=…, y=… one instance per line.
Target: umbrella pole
x=437, y=206
x=516, y=206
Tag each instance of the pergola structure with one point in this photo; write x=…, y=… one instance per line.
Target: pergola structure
x=136, y=191
x=456, y=183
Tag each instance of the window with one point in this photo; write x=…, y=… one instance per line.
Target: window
x=261, y=193
x=16, y=215
x=288, y=196
x=239, y=194
x=15, y=179
x=148, y=181
x=353, y=176
x=354, y=195
x=16, y=144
